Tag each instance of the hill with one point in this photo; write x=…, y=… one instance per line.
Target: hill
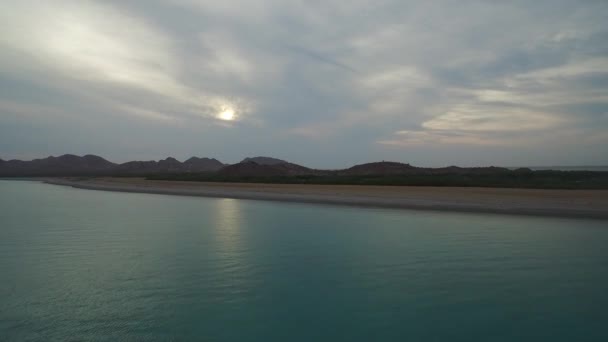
x=272, y=170
x=195, y=164
x=65, y=164
x=253, y=169
x=264, y=161
x=378, y=168
x=91, y=165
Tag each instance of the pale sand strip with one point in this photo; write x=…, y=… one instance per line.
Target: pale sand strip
x=563, y=203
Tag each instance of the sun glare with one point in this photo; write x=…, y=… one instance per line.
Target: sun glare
x=226, y=114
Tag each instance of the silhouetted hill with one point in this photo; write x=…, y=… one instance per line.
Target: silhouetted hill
x=264, y=160
x=170, y=165
x=254, y=169
x=393, y=168
x=378, y=168
x=65, y=164
x=137, y=167
x=91, y=165
x=196, y=164
x=271, y=170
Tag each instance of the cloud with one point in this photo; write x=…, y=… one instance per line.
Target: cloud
x=437, y=137
x=470, y=118
x=89, y=41
x=378, y=77
x=89, y=44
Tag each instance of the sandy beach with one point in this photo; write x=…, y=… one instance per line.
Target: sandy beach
x=562, y=203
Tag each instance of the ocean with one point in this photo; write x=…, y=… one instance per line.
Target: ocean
x=104, y=266
x=566, y=168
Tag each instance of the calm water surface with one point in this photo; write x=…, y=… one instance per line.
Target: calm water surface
x=102, y=266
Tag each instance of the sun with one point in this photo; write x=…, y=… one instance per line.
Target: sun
x=226, y=114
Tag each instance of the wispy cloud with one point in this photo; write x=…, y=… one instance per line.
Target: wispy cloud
x=372, y=78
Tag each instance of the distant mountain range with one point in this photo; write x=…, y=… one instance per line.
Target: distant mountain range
x=91, y=165
x=272, y=170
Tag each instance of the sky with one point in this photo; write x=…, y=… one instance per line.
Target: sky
x=325, y=83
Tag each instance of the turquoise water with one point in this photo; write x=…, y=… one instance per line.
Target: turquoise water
x=91, y=265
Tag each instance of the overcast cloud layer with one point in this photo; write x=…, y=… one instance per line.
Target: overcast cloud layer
x=322, y=83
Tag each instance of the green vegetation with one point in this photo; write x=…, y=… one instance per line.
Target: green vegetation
x=504, y=179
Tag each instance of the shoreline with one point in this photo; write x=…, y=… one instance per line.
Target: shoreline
x=554, y=203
